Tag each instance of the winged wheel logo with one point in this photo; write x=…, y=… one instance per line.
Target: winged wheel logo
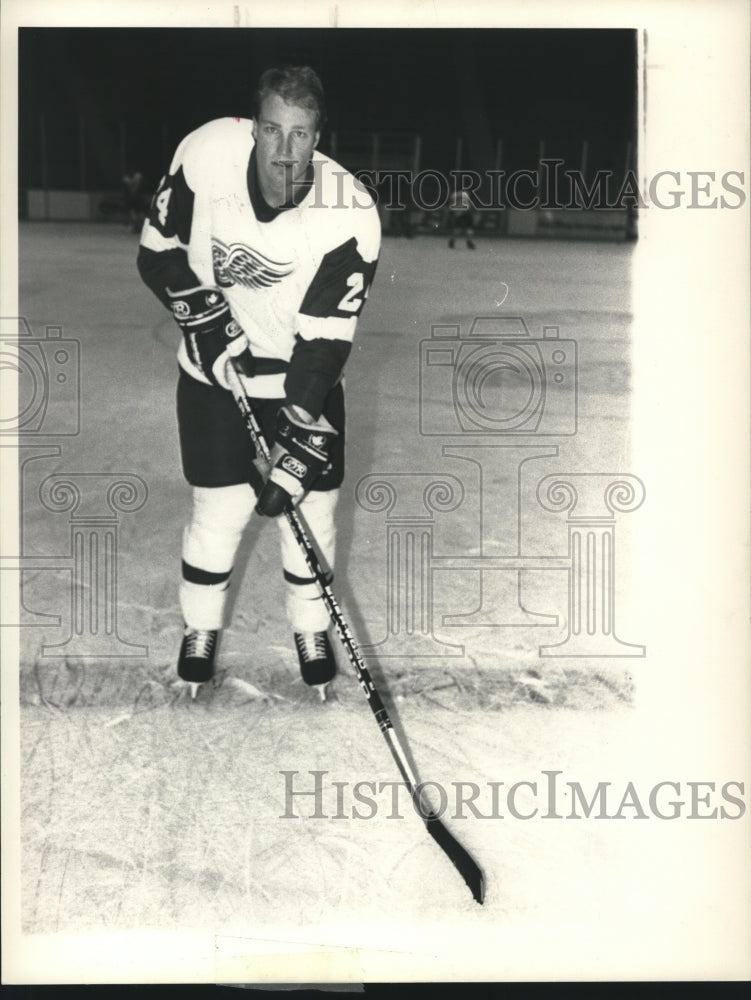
x=237, y=264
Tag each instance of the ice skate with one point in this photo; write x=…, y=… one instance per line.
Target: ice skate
x=317, y=663
x=196, y=662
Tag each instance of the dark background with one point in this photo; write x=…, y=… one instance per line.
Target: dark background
x=93, y=101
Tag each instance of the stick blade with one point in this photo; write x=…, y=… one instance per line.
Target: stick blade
x=460, y=858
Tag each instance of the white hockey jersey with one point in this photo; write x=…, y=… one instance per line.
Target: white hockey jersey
x=301, y=270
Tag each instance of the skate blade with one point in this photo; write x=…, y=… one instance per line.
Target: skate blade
x=321, y=689
x=194, y=686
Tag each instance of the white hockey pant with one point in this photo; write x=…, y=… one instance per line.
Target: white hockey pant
x=210, y=544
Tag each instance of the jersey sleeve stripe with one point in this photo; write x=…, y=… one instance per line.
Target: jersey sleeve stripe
x=153, y=240
x=326, y=327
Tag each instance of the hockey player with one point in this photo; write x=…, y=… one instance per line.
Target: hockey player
x=264, y=250
x=461, y=219
x=134, y=198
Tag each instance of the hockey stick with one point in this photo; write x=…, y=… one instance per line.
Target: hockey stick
x=461, y=859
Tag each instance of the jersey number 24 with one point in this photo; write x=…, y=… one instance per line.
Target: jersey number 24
x=354, y=298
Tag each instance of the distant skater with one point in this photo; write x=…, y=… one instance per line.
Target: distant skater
x=135, y=199
x=461, y=219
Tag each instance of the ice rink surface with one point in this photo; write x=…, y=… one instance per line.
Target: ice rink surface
x=141, y=809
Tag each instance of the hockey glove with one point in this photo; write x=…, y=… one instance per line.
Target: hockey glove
x=299, y=457
x=211, y=334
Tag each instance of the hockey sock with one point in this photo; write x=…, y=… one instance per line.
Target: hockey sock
x=306, y=612
x=203, y=596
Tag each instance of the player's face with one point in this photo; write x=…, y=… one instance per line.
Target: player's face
x=285, y=138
